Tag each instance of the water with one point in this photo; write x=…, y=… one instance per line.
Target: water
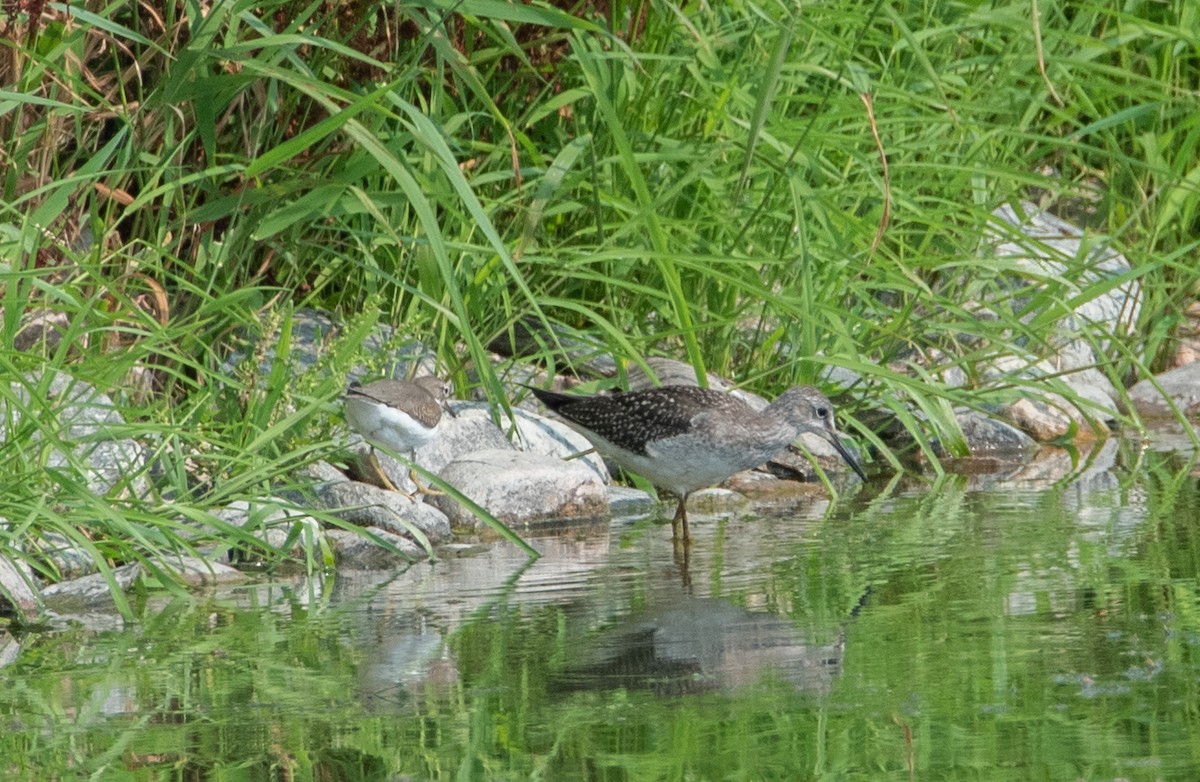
x=1036, y=623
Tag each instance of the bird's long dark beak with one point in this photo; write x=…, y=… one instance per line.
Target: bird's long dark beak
x=836, y=442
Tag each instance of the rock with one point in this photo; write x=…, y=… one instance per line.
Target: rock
x=530, y=336
x=628, y=501
x=312, y=332
x=89, y=590
x=319, y=473
x=193, y=571
x=671, y=372
x=796, y=461
x=713, y=501
x=368, y=506
x=1043, y=421
x=1181, y=386
x=1037, y=241
x=469, y=429
x=108, y=464
x=67, y=558
x=1051, y=415
x=843, y=378
x=42, y=329
x=766, y=488
x=1187, y=338
x=1036, y=246
x=73, y=414
x=985, y=434
x=17, y=589
x=95, y=589
x=357, y=551
x=10, y=650
x=274, y=523
x=543, y=436
x=515, y=486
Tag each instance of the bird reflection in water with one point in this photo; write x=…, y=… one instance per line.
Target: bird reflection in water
x=699, y=645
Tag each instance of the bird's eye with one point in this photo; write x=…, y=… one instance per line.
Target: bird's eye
x=823, y=412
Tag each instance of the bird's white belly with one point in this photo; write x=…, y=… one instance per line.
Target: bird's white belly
x=387, y=426
x=681, y=466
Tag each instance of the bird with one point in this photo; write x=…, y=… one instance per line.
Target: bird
x=682, y=438
x=399, y=415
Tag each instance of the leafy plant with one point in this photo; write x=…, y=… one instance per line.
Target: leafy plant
x=769, y=191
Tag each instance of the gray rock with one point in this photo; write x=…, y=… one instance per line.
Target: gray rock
x=671, y=372
x=322, y=472
x=73, y=414
x=368, y=506
x=985, y=434
x=108, y=464
x=42, y=329
x=840, y=377
x=357, y=551
x=95, y=589
x=313, y=333
x=1187, y=337
x=471, y=429
x=1088, y=399
x=716, y=500
x=543, y=436
x=67, y=558
x=10, y=650
x=1180, y=386
x=276, y=524
x=1040, y=243
x=1083, y=411
x=468, y=430
x=1045, y=421
x=17, y=589
x=194, y=571
x=1038, y=246
x=530, y=336
x=628, y=501
x=515, y=486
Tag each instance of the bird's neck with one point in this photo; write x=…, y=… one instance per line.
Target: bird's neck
x=776, y=429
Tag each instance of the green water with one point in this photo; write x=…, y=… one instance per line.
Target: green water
x=1015, y=627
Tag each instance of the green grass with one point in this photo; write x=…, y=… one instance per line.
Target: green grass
x=703, y=182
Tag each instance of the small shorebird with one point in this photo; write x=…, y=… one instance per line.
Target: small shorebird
x=684, y=438
x=399, y=415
